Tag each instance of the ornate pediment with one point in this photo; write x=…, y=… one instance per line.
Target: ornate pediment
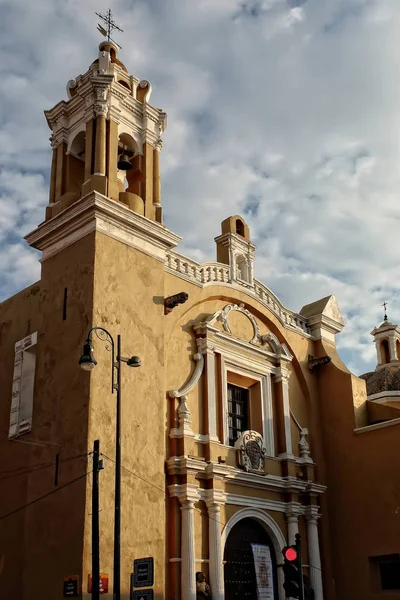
x=223, y=315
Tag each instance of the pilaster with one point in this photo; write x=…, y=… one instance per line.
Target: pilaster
x=187, y=495
x=215, y=499
x=292, y=518
x=312, y=517
x=283, y=413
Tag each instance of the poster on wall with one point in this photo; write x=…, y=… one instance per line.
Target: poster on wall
x=264, y=572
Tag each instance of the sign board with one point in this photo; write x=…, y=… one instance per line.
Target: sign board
x=71, y=586
x=264, y=572
x=142, y=595
x=103, y=583
x=143, y=572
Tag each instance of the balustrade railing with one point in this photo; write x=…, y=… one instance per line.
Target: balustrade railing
x=213, y=272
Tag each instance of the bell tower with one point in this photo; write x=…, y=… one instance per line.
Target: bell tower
x=235, y=249
x=387, y=342
x=106, y=138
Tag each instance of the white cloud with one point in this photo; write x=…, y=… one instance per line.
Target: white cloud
x=284, y=111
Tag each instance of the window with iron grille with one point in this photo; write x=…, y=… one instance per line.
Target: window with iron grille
x=237, y=412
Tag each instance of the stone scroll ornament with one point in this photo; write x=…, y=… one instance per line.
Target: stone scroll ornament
x=251, y=451
x=183, y=410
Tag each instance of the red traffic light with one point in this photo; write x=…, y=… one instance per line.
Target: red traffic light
x=290, y=554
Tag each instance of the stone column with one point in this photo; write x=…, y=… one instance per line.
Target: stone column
x=292, y=518
x=314, y=555
x=53, y=176
x=88, y=149
x=188, y=562
x=392, y=349
x=156, y=184
x=216, y=567
x=283, y=410
x=100, y=153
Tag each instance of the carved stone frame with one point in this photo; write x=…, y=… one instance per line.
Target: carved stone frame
x=258, y=359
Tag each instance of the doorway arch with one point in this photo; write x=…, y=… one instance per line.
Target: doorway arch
x=260, y=528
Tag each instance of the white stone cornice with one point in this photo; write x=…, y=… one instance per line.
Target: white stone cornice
x=312, y=513
x=186, y=493
x=282, y=375
x=213, y=497
x=233, y=347
x=96, y=212
x=235, y=476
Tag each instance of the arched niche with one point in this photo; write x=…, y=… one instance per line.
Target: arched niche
x=242, y=268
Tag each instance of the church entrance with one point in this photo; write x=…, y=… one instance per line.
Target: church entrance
x=250, y=563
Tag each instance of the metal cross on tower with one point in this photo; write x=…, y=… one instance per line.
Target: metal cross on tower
x=384, y=307
x=108, y=20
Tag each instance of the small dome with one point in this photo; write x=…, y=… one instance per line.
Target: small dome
x=387, y=324
x=386, y=379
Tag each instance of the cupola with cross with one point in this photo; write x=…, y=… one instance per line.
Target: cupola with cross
x=387, y=342
x=106, y=137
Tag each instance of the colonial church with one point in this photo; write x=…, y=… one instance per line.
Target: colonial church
x=241, y=428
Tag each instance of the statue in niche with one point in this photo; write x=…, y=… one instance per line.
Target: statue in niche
x=203, y=590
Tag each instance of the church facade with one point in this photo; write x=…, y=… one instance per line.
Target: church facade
x=241, y=428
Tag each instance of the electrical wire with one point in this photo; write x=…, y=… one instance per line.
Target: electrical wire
x=27, y=470
x=202, y=512
x=61, y=487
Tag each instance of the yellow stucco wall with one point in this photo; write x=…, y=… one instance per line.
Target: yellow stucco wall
x=128, y=286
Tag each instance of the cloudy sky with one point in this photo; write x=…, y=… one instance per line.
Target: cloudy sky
x=285, y=111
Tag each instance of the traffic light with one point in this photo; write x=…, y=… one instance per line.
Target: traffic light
x=292, y=571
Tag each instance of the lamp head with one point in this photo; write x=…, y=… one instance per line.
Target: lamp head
x=87, y=361
x=134, y=361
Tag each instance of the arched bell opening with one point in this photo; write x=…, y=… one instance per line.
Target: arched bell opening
x=74, y=169
x=125, y=84
x=385, y=353
x=250, y=562
x=129, y=173
x=127, y=149
x=240, y=227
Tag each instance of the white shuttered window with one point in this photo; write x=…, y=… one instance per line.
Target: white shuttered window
x=23, y=386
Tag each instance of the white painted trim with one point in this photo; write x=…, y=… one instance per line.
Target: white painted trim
x=185, y=389
x=198, y=560
x=261, y=503
x=377, y=426
x=273, y=530
x=179, y=465
x=260, y=374
x=383, y=395
x=96, y=212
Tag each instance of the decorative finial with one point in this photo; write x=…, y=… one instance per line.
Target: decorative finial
x=384, y=307
x=108, y=20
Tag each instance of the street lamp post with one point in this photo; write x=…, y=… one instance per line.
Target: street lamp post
x=88, y=362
